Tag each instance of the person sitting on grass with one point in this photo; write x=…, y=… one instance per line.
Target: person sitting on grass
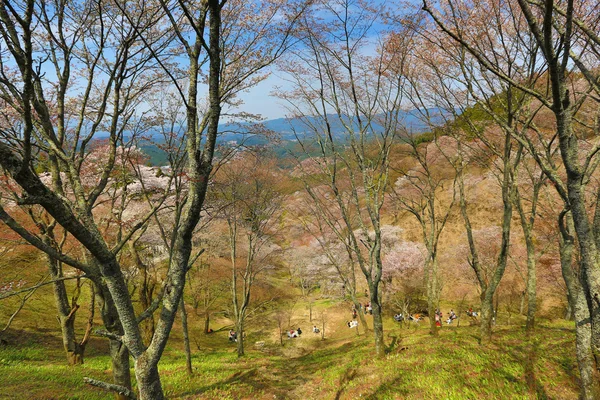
x=471, y=313
x=232, y=336
x=315, y=329
x=299, y=331
x=438, y=318
x=453, y=315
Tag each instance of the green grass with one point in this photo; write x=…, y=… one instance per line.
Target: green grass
x=452, y=366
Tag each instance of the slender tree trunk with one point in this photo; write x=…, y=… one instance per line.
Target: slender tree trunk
x=240, y=336
x=377, y=321
x=487, y=311
x=66, y=315
x=487, y=295
x=361, y=313
x=522, y=306
x=581, y=312
x=527, y=226
x=206, y=321
x=531, y=288
x=496, y=309
x=145, y=296
x=186, y=337
x=432, y=293
x=569, y=312
x=118, y=352
x=120, y=365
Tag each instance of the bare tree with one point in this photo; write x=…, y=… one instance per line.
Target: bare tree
x=418, y=191
x=350, y=103
x=250, y=206
x=563, y=46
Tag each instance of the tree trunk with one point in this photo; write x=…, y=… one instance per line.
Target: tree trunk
x=527, y=224
x=432, y=294
x=240, y=337
x=377, y=321
x=487, y=295
x=120, y=366
x=522, y=306
x=487, y=313
x=206, y=321
x=361, y=313
x=118, y=352
x=569, y=312
x=148, y=379
x=496, y=309
x=581, y=312
x=186, y=338
x=66, y=315
x=73, y=349
x=531, y=288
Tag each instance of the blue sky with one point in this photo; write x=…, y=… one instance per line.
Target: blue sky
x=259, y=100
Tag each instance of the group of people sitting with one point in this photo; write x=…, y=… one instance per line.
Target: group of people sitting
x=294, y=333
x=438, y=316
x=367, y=307
x=411, y=317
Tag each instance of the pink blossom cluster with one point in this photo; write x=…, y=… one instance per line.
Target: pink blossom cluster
x=10, y=286
x=402, y=258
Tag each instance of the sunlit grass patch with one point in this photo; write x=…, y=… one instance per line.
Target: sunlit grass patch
x=452, y=366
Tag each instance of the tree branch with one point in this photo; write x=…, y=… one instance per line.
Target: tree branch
x=111, y=387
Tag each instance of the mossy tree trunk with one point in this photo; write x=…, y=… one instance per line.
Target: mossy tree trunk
x=577, y=301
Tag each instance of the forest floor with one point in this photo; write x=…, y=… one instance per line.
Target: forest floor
x=342, y=366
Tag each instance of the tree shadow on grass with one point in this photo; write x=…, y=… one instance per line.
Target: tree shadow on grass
x=282, y=376
x=249, y=377
x=391, y=386
x=345, y=379
x=528, y=358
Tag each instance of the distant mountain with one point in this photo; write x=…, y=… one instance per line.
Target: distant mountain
x=284, y=130
x=287, y=128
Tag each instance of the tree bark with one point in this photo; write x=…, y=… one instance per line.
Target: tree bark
x=148, y=379
x=377, y=321
x=240, y=337
x=577, y=301
x=360, y=311
x=431, y=273
x=527, y=226
x=206, y=321
x=531, y=288
x=186, y=338
x=66, y=315
x=118, y=351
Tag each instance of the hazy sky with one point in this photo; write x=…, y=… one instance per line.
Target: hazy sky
x=259, y=100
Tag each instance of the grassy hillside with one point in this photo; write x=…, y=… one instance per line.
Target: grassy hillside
x=340, y=367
